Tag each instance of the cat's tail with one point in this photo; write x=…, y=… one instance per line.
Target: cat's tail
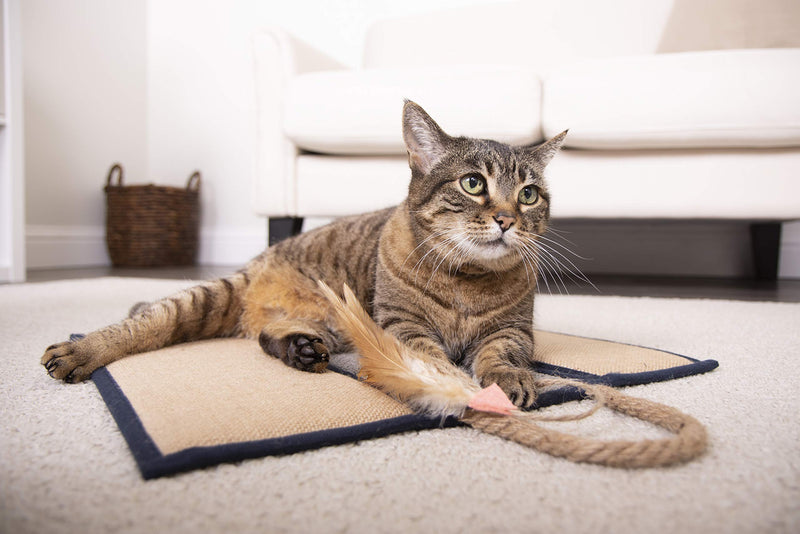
x=440, y=388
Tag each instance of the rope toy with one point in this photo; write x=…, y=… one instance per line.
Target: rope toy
x=438, y=388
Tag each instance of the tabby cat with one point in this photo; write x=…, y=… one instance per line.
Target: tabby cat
x=451, y=271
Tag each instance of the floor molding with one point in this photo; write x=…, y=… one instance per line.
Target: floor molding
x=85, y=246
x=65, y=246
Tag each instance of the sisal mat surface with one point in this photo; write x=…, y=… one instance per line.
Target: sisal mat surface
x=207, y=402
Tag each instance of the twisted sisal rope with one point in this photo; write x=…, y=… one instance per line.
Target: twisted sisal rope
x=689, y=442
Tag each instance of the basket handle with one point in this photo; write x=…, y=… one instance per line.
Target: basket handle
x=193, y=184
x=119, y=172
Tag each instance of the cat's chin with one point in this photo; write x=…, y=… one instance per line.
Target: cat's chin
x=494, y=256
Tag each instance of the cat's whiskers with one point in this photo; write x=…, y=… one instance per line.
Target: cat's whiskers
x=554, y=262
x=435, y=248
x=562, y=245
x=465, y=253
x=528, y=260
x=549, y=268
x=560, y=234
x=448, y=244
x=453, y=240
x=541, y=265
x=570, y=268
x=421, y=244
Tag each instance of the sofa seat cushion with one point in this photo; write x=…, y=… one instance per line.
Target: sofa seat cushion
x=359, y=112
x=589, y=184
x=732, y=98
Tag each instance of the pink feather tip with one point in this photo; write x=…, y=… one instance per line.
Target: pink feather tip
x=492, y=399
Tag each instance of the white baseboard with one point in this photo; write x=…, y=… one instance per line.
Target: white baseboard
x=65, y=246
x=85, y=246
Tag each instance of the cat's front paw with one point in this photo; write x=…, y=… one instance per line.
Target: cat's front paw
x=304, y=352
x=307, y=354
x=517, y=383
x=70, y=361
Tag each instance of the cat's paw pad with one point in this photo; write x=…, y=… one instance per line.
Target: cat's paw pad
x=68, y=361
x=307, y=354
x=518, y=384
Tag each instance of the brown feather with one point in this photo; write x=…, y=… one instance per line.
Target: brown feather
x=428, y=384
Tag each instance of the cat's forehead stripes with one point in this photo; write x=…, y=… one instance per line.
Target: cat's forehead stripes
x=507, y=167
x=498, y=161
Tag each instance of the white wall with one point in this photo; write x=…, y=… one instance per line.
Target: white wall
x=166, y=87
x=85, y=93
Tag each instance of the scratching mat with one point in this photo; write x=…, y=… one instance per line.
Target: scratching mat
x=202, y=403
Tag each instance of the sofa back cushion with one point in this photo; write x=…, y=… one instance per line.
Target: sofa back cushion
x=724, y=24
x=546, y=34
x=541, y=34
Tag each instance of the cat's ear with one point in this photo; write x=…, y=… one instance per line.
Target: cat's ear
x=544, y=152
x=425, y=141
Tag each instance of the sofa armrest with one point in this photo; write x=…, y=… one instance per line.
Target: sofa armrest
x=279, y=56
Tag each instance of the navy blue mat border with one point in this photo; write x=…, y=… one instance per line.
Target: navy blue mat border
x=153, y=464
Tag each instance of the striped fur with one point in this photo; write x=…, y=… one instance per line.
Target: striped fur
x=450, y=273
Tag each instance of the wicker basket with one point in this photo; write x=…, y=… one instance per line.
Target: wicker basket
x=150, y=225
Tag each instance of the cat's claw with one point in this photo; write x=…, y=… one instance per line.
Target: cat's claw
x=68, y=361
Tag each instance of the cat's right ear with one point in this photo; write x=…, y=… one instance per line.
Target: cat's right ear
x=424, y=140
x=544, y=152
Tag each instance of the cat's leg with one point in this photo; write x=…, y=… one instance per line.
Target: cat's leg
x=211, y=309
x=410, y=329
x=291, y=319
x=504, y=358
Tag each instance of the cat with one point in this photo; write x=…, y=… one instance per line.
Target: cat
x=451, y=272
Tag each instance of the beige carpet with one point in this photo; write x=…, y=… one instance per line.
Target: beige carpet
x=64, y=466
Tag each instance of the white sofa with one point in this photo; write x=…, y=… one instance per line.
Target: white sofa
x=677, y=109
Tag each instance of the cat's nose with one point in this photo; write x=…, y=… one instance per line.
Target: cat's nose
x=505, y=220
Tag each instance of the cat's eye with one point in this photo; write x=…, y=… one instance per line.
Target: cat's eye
x=473, y=184
x=528, y=195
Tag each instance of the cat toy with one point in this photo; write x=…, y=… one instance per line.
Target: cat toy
x=437, y=388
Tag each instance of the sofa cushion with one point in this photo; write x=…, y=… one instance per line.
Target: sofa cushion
x=734, y=98
x=725, y=24
x=359, y=112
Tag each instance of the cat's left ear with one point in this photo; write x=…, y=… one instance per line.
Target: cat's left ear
x=424, y=139
x=544, y=153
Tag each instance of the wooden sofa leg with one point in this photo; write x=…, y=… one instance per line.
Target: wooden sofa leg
x=279, y=228
x=765, y=240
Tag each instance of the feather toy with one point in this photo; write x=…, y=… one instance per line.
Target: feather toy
x=428, y=385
